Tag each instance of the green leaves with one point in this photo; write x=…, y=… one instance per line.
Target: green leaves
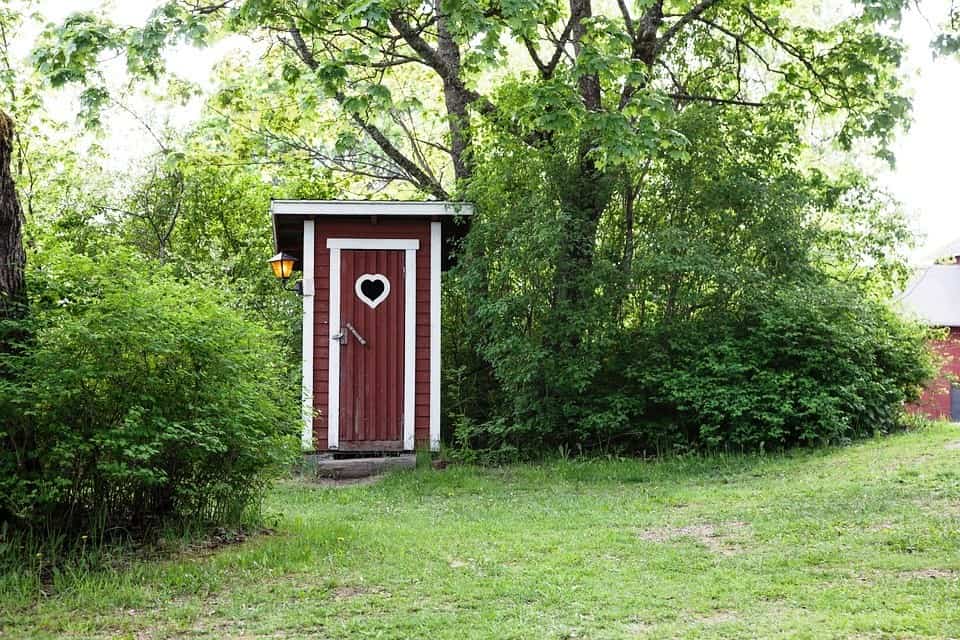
x=331, y=76
x=92, y=101
x=709, y=313
x=346, y=141
x=74, y=51
x=640, y=182
x=144, y=399
x=70, y=52
x=290, y=72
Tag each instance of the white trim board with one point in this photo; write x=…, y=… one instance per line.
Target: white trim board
x=368, y=208
x=333, y=370
x=409, y=247
x=436, y=248
x=372, y=243
x=410, y=350
x=306, y=435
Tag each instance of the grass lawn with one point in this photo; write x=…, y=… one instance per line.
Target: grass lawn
x=858, y=542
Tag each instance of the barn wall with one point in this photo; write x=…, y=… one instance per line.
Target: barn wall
x=363, y=228
x=935, y=401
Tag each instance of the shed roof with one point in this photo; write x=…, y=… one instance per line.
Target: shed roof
x=369, y=208
x=288, y=216
x=933, y=295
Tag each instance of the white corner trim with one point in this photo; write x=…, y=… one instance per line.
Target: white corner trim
x=333, y=361
x=436, y=250
x=372, y=243
x=306, y=435
x=410, y=350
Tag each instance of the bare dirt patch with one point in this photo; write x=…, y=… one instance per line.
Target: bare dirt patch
x=939, y=507
x=877, y=576
x=952, y=446
x=718, y=617
x=715, y=537
x=920, y=574
x=338, y=483
x=345, y=592
x=637, y=628
x=222, y=537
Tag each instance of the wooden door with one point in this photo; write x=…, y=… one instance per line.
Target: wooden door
x=372, y=349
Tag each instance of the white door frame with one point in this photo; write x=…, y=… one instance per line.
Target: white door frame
x=409, y=247
x=309, y=289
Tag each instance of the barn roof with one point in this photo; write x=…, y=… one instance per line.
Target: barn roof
x=949, y=250
x=933, y=295
x=288, y=216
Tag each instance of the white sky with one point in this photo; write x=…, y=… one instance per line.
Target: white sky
x=926, y=178
x=927, y=175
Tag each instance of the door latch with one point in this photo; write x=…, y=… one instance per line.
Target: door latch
x=355, y=334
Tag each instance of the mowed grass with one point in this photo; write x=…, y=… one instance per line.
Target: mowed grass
x=856, y=542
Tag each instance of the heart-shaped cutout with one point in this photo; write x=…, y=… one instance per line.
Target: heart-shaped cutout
x=372, y=289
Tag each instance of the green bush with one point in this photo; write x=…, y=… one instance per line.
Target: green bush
x=138, y=400
x=740, y=304
x=806, y=363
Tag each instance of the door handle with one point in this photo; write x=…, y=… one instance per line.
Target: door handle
x=356, y=334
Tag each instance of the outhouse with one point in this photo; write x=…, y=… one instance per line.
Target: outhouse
x=371, y=318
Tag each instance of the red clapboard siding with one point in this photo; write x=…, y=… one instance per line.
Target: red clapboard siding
x=364, y=228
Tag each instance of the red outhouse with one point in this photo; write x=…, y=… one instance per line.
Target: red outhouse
x=371, y=319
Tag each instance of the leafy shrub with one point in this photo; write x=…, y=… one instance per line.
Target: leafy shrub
x=138, y=400
x=740, y=303
x=806, y=363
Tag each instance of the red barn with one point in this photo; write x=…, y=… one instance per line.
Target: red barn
x=371, y=319
x=933, y=296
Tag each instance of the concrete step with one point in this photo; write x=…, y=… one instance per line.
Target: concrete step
x=349, y=468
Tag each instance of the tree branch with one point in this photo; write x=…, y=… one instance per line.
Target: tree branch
x=547, y=68
x=644, y=46
x=589, y=83
x=413, y=38
x=416, y=174
x=686, y=97
x=675, y=28
x=627, y=20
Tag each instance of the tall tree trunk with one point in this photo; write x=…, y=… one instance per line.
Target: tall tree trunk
x=12, y=256
x=455, y=99
x=629, y=199
x=585, y=192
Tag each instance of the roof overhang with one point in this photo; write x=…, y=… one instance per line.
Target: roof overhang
x=368, y=208
x=933, y=296
x=288, y=216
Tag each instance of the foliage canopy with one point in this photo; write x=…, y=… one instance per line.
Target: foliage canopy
x=667, y=251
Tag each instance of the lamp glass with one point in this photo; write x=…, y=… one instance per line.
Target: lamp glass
x=282, y=265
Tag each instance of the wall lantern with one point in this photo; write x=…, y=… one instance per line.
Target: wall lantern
x=282, y=265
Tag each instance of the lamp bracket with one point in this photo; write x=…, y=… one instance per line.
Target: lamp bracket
x=297, y=288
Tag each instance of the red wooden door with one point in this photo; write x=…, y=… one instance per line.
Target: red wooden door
x=372, y=348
